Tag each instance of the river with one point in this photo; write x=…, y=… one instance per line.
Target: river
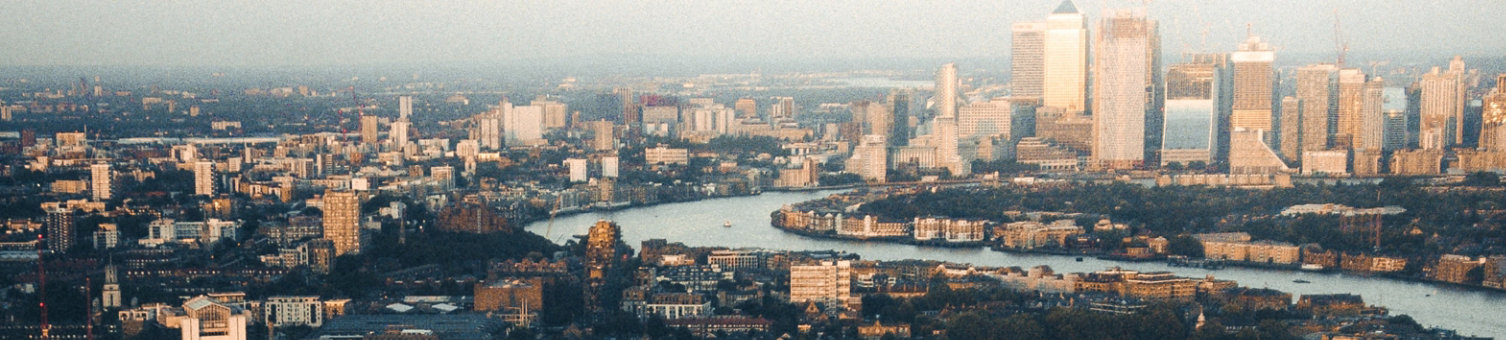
x=701, y=223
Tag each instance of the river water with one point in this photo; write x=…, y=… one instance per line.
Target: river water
x=1469, y=311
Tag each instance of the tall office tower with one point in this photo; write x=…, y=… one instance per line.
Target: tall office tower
x=981, y=120
x=1372, y=120
x=404, y=107
x=100, y=181
x=369, y=129
x=1119, y=89
x=899, y=100
x=1027, y=54
x=1191, y=129
x=59, y=227
x=203, y=178
x=1065, y=59
x=1442, y=107
x=1253, y=80
x=746, y=108
x=944, y=127
x=1493, y=118
x=1347, y=111
x=1289, y=128
x=873, y=117
x=342, y=213
x=554, y=112
x=783, y=107
x=1315, y=90
x=1396, y=130
x=870, y=159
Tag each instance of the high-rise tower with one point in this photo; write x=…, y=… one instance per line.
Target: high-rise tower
x=1066, y=59
x=1120, y=99
x=1442, y=107
x=100, y=181
x=1027, y=58
x=945, y=124
x=1253, y=80
x=1315, y=90
x=342, y=211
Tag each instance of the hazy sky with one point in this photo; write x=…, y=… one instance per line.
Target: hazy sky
x=278, y=32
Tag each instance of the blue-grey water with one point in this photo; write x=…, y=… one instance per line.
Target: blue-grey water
x=1470, y=311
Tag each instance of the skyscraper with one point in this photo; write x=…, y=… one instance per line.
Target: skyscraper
x=342, y=212
x=1066, y=58
x=1289, y=128
x=1027, y=58
x=100, y=181
x=1191, y=131
x=1253, y=80
x=1119, y=89
x=899, y=100
x=1372, y=125
x=59, y=226
x=945, y=124
x=1442, y=107
x=1315, y=90
x=203, y=178
x=992, y=118
x=1350, y=83
x=554, y=112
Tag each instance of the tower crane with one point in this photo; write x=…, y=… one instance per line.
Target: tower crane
x=1341, y=44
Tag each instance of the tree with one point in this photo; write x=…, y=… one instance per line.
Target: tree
x=1185, y=245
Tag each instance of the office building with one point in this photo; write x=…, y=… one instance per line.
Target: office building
x=289, y=311
x=1289, y=128
x=1253, y=82
x=1120, y=100
x=944, y=127
x=1027, y=59
x=1065, y=59
x=1442, y=107
x=899, y=101
x=609, y=167
x=1315, y=90
x=1350, y=84
x=1191, y=131
x=203, y=178
x=100, y=181
x=1372, y=120
x=342, y=213
x=993, y=118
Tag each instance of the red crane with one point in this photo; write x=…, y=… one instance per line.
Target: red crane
x=42, y=288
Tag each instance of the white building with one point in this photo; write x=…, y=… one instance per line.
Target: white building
x=577, y=168
x=203, y=178
x=100, y=181
x=826, y=282
x=609, y=167
x=285, y=311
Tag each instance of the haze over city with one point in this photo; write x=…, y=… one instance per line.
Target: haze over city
x=274, y=33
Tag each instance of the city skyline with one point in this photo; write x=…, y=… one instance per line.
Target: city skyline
x=347, y=33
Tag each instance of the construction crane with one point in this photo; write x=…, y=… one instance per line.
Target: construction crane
x=42, y=289
x=1341, y=44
